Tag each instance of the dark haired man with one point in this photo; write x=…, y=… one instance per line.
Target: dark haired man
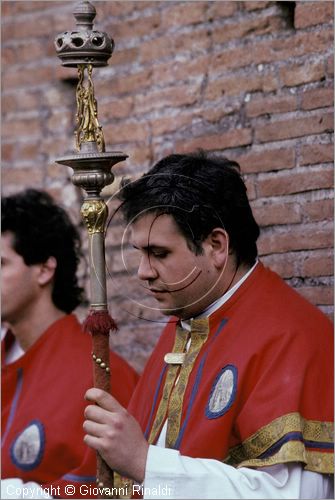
x=46, y=355
x=236, y=399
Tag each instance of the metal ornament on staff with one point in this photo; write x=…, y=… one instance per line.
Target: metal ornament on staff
x=86, y=49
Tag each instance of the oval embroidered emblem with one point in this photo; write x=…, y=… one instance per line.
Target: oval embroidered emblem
x=223, y=392
x=28, y=447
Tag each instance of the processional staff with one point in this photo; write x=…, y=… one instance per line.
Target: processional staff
x=86, y=49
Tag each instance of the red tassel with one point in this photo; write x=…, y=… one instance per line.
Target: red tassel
x=99, y=322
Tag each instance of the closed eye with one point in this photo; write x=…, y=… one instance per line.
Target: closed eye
x=159, y=254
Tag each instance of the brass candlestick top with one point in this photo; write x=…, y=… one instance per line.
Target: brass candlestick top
x=84, y=45
x=85, y=48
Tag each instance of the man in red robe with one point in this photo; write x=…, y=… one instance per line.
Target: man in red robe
x=46, y=361
x=236, y=400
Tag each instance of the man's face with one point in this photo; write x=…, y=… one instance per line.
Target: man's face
x=19, y=288
x=182, y=283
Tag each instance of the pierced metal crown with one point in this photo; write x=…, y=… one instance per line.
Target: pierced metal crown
x=84, y=45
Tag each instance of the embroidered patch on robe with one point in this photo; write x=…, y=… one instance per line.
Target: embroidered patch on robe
x=28, y=447
x=223, y=392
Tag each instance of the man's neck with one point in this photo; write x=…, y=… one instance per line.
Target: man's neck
x=29, y=328
x=235, y=284
x=235, y=278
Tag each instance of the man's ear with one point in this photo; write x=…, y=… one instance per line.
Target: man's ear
x=46, y=271
x=218, y=240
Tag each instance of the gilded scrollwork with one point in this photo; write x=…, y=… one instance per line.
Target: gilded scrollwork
x=88, y=127
x=94, y=213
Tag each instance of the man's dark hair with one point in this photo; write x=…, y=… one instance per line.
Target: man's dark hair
x=200, y=192
x=41, y=230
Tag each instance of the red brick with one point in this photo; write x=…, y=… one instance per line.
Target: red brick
x=230, y=139
x=8, y=55
x=140, y=157
x=32, y=52
x=299, y=74
x=116, y=234
x=310, y=154
x=318, y=263
x=125, y=84
x=241, y=56
x=125, y=285
x=61, y=19
x=40, y=26
x=330, y=65
x=116, y=108
x=8, y=103
x=13, y=78
x=56, y=171
x=270, y=214
x=28, y=100
x=222, y=9
x=181, y=95
x=214, y=113
x=250, y=5
x=54, y=147
x=301, y=43
x=162, y=47
x=294, y=182
x=25, y=7
x=60, y=121
x=131, y=28
x=192, y=42
x=263, y=161
x=7, y=9
x=271, y=105
x=283, y=264
x=163, y=125
x=122, y=261
x=7, y=152
x=124, y=56
x=233, y=85
x=63, y=73
x=153, y=50
x=22, y=177
x=317, y=98
x=150, y=4
x=311, y=13
x=29, y=150
x=120, y=8
x=251, y=188
x=20, y=128
x=127, y=132
x=184, y=14
x=247, y=27
x=317, y=294
x=304, y=237
x=280, y=49
x=295, y=127
x=170, y=72
x=319, y=210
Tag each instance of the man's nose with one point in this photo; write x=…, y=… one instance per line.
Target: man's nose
x=145, y=269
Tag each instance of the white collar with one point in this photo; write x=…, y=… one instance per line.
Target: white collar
x=214, y=306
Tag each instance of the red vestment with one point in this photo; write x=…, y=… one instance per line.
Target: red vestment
x=43, y=408
x=260, y=391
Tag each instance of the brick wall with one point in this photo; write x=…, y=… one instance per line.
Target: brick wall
x=249, y=80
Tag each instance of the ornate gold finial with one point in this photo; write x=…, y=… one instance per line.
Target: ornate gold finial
x=89, y=129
